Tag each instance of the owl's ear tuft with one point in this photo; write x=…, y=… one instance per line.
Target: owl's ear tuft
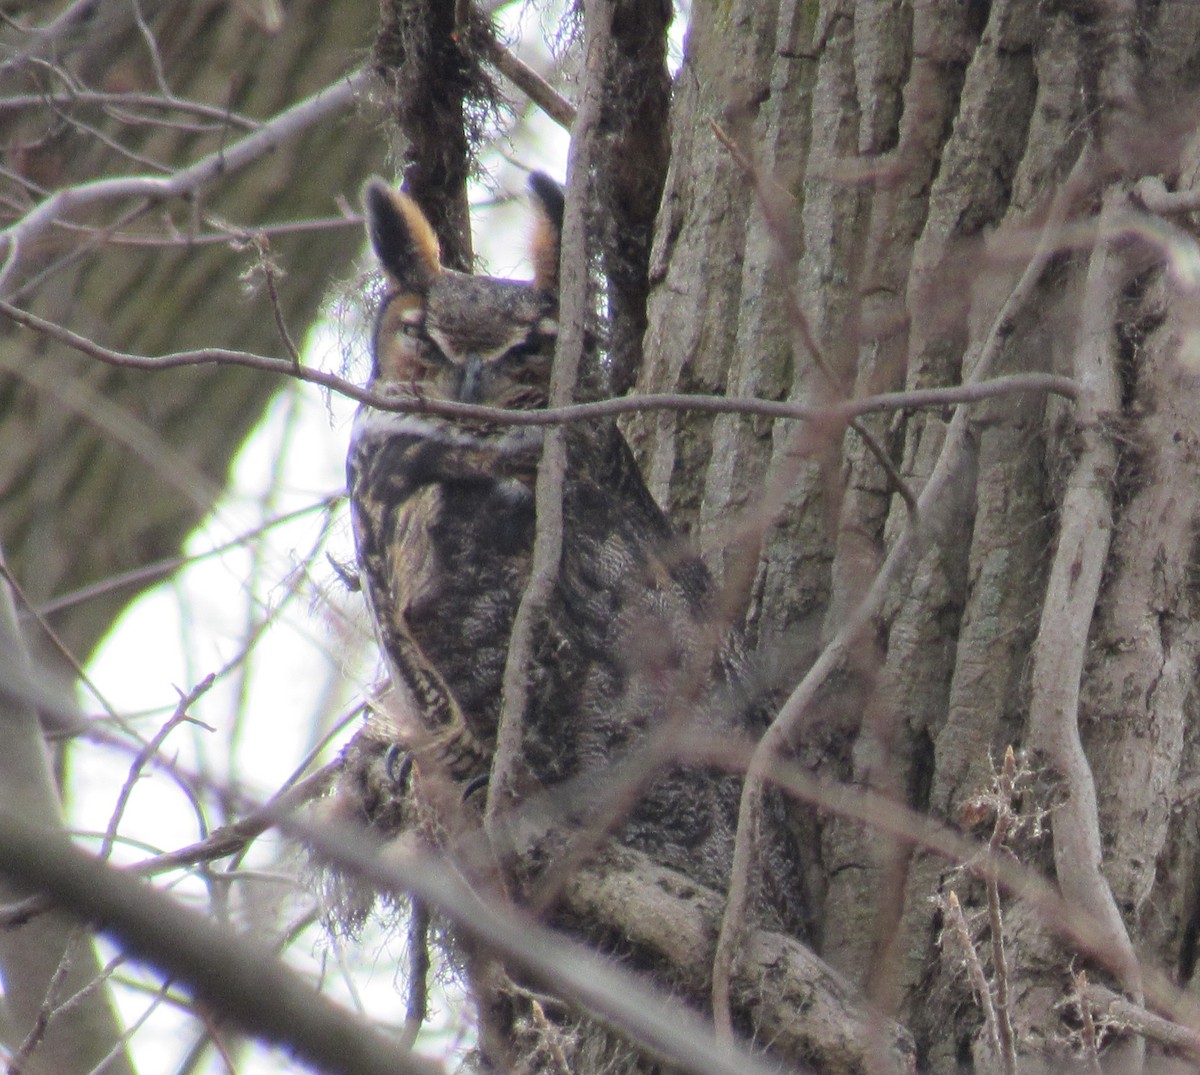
x=546, y=244
x=402, y=237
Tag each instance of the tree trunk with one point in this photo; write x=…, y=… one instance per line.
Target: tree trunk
x=920, y=149
x=130, y=460
x=860, y=198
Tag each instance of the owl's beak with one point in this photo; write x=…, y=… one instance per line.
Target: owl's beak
x=470, y=386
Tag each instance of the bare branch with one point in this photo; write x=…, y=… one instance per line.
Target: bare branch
x=219, y=844
x=37, y=962
x=529, y=82
x=1091, y=1051
x=139, y=576
x=669, y=920
x=244, y=982
x=270, y=271
x=918, y=399
x=1152, y=193
x=233, y=975
x=1058, y=658
x=225, y=161
x=220, y=116
x=186, y=701
x=37, y=1032
x=224, y=236
x=566, y=968
x=1120, y=1010
x=979, y=983
x=45, y=37
x=786, y=255
x=895, y=478
x=160, y=76
x=574, y=302
x=47, y=629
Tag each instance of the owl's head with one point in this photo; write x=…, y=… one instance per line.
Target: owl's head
x=453, y=336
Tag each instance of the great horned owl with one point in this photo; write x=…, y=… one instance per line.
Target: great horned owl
x=443, y=515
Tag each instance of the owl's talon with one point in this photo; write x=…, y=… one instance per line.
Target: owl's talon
x=399, y=775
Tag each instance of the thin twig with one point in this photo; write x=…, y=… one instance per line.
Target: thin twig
x=221, y=843
x=186, y=701
x=1123, y=1012
x=895, y=478
x=269, y=268
x=1000, y=830
x=236, y=976
x=768, y=196
x=45, y=37
x=564, y=967
x=147, y=573
x=76, y=252
x=850, y=801
x=243, y=981
x=1087, y=1025
x=231, y=839
x=118, y=147
x=627, y=780
x=160, y=75
x=24, y=102
x=228, y=234
x=86, y=400
x=574, y=300
x=57, y=642
x=187, y=181
x=978, y=979
x=917, y=399
x=133, y=1027
x=49, y=1006
x=786, y=255
x=900, y=823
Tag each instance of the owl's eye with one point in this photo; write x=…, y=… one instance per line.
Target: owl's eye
x=538, y=344
x=530, y=358
x=423, y=354
x=412, y=324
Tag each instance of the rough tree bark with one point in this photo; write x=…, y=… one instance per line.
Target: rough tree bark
x=910, y=196
x=83, y=445
x=923, y=147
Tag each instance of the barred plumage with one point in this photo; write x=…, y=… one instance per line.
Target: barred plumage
x=444, y=522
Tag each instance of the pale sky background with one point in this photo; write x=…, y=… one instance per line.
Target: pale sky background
x=315, y=657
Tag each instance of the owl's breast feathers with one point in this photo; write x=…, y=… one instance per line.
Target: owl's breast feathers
x=444, y=521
